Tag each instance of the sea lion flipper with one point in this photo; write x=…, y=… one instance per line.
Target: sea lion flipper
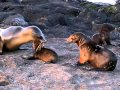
x=28, y=57
x=79, y=64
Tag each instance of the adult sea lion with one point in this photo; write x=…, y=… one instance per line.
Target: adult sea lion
x=13, y=37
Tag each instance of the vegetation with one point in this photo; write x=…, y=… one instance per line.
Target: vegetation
x=110, y=9
x=106, y=8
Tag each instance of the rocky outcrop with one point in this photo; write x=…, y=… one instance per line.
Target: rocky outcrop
x=15, y=20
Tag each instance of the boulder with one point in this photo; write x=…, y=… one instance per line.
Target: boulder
x=3, y=79
x=4, y=15
x=116, y=17
x=15, y=20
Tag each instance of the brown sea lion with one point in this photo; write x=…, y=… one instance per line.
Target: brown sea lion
x=102, y=39
x=13, y=37
x=97, y=56
x=45, y=54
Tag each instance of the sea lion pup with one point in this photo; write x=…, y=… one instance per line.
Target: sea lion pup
x=45, y=54
x=102, y=39
x=13, y=37
x=97, y=56
x=102, y=27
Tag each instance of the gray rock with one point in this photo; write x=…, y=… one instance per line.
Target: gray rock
x=4, y=15
x=57, y=18
x=3, y=79
x=15, y=20
x=116, y=17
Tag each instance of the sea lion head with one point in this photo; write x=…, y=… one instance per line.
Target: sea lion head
x=106, y=27
x=78, y=38
x=38, y=43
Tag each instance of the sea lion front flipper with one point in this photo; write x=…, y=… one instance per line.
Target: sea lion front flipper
x=79, y=64
x=28, y=57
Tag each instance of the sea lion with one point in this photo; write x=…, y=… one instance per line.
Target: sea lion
x=102, y=39
x=107, y=27
x=45, y=54
x=13, y=37
x=99, y=57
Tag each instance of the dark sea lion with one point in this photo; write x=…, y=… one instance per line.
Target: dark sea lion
x=45, y=54
x=106, y=27
x=97, y=56
x=13, y=37
x=102, y=39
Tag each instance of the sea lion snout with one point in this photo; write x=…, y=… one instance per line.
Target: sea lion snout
x=68, y=40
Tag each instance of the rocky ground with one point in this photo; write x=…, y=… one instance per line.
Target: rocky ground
x=19, y=74
x=57, y=19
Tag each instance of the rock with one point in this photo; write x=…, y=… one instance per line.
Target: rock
x=57, y=18
x=4, y=15
x=115, y=35
x=3, y=79
x=97, y=27
x=58, y=31
x=15, y=20
x=116, y=17
x=69, y=10
x=13, y=1
x=34, y=1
